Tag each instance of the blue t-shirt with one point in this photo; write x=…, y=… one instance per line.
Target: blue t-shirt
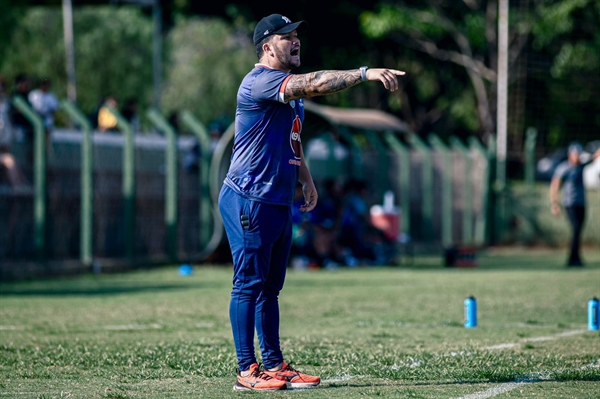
x=571, y=176
x=266, y=149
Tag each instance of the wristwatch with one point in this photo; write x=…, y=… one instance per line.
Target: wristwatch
x=363, y=72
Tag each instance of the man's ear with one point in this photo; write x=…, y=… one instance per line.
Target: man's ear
x=267, y=48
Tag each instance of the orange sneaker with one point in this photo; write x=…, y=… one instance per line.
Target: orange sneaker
x=257, y=380
x=294, y=378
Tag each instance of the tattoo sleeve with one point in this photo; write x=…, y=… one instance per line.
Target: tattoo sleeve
x=320, y=83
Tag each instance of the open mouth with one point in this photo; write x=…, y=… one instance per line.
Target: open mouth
x=295, y=52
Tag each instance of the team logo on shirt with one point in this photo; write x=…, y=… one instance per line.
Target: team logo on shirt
x=295, y=141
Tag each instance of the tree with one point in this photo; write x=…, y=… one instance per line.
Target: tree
x=113, y=52
x=562, y=34
x=461, y=33
x=207, y=61
x=564, y=81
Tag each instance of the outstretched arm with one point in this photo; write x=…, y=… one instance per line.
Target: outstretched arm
x=321, y=83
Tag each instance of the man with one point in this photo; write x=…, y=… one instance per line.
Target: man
x=569, y=177
x=255, y=200
x=17, y=119
x=45, y=103
x=7, y=160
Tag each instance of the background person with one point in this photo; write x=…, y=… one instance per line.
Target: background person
x=130, y=113
x=568, y=177
x=45, y=103
x=258, y=191
x=8, y=164
x=106, y=121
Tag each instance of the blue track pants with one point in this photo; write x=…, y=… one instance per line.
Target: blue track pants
x=260, y=237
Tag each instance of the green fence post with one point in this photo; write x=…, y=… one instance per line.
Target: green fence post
x=128, y=182
x=427, y=185
x=198, y=129
x=357, y=168
x=87, y=182
x=457, y=145
x=171, y=186
x=479, y=236
x=530, y=138
x=39, y=174
x=404, y=158
x=381, y=178
x=439, y=145
x=493, y=223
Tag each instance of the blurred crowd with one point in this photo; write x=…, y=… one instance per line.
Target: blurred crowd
x=38, y=94
x=339, y=231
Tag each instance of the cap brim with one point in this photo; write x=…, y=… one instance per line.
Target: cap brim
x=299, y=26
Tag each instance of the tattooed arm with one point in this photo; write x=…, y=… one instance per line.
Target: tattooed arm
x=321, y=83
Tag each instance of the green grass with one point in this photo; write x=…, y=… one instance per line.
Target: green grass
x=368, y=332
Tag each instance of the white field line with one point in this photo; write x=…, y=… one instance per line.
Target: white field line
x=536, y=339
x=125, y=327
x=509, y=386
x=593, y=365
x=9, y=328
x=493, y=391
x=341, y=378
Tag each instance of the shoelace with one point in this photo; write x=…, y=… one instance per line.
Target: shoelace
x=262, y=375
x=257, y=373
x=290, y=368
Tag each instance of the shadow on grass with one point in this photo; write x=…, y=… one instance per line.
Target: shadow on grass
x=501, y=380
x=403, y=384
x=90, y=290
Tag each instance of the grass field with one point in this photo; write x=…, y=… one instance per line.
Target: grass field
x=368, y=332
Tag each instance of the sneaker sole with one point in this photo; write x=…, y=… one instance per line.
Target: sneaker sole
x=302, y=384
x=240, y=387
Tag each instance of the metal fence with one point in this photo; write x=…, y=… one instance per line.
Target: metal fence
x=442, y=190
x=101, y=199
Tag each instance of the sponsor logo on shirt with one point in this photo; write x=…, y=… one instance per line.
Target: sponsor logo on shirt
x=295, y=140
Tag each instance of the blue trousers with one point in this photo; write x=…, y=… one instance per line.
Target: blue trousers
x=260, y=237
x=576, y=216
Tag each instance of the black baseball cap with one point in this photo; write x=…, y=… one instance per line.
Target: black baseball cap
x=276, y=24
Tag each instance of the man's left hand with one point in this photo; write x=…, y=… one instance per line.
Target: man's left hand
x=389, y=77
x=310, y=196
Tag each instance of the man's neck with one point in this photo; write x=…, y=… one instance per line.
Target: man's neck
x=273, y=65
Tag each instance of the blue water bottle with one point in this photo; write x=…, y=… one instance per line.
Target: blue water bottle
x=470, y=312
x=593, y=313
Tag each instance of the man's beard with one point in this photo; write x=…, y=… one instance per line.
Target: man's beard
x=286, y=59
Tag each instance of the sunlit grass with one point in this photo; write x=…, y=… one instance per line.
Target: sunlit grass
x=374, y=332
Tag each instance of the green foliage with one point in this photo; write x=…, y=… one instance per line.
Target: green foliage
x=436, y=84
x=9, y=20
x=36, y=47
x=463, y=110
x=205, y=59
x=475, y=25
x=391, y=18
x=207, y=62
x=555, y=18
x=113, y=52
x=578, y=56
x=570, y=30
x=113, y=55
